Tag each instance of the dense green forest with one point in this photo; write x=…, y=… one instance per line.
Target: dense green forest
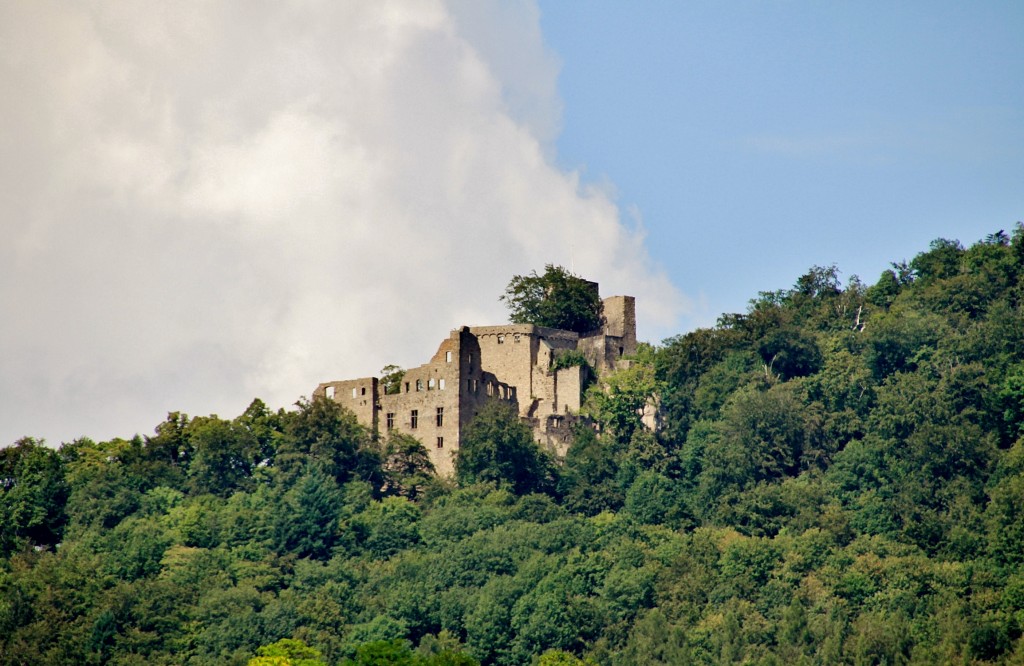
x=838, y=478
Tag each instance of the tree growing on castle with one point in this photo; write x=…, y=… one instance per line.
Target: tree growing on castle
x=391, y=378
x=556, y=299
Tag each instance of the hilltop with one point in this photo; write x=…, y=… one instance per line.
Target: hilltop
x=837, y=477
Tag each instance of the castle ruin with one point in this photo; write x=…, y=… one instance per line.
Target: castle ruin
x=512, y=362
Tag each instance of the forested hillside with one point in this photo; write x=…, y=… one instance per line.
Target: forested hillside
x=838, y=479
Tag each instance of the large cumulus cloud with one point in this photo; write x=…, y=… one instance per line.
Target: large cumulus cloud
x=205, y=202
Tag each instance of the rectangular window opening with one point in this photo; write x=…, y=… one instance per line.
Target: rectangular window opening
x=440, y=442
x=414, y=418
x=390, y=420
x=440, y=416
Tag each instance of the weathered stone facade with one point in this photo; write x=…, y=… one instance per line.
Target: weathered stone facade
x=511, y=362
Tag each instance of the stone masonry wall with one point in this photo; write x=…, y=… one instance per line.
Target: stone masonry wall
x=427, y=406
x=513, y=362
x=356, y=395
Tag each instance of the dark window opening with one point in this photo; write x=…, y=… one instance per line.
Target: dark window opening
x=440, y=416
x=390, y=420
x=440, y=442
x=414, y=419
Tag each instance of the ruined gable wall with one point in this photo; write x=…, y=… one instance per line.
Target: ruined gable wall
x=414, y=410
x=356, y=395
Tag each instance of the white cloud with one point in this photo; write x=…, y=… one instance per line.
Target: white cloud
x=202, y=203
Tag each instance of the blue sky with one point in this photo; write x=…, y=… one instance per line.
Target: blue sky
x=756, y=139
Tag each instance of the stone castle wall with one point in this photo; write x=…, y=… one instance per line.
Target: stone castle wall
x=357, y=395
x=512, y=362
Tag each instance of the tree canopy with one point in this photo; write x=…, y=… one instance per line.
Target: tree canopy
x=838, y=478
x=556, y=299
x=497, y=447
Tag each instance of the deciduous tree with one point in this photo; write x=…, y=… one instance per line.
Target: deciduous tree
x=557, y=299
x=497, y=447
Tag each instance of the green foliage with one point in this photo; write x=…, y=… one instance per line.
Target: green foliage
x=569, y=358
x=329, y=435
x=406, y=466
x=721, y=380
x=287, y=652
x=33, y=493
x=383, y=653
x=900, y=339
x=588, y=478
x=399, y=653
x=654, y=642
x=942, y=260
x=391, y=379
x=885, y=291
x=387, y=527
x=654, y=499
x=619, y=401
x=838, y=479
x=762, y=437
x=224, y=455
x=497, y=447
x=1011, y=397
x=562, y=658
x=307, y=518
x=556, y=299
x=105, y=481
